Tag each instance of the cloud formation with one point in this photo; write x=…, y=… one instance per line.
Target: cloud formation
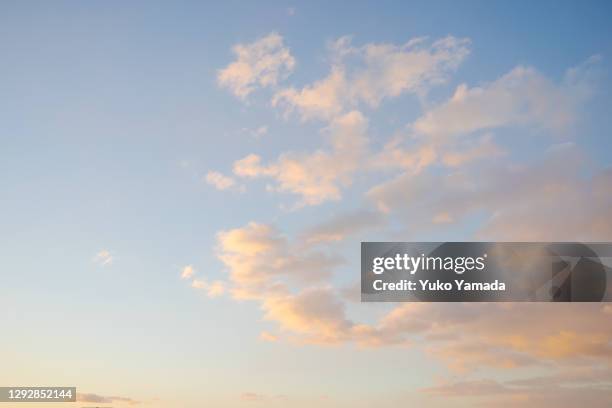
x=545, y=200
x=261, y=261
x=264, y=267
x=522, y=97
x=369, y=74
x=570, y=388
x=450, y=163
x=317, y=177
x=262, y=63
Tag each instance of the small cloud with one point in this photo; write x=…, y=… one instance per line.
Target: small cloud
x=260, y=131
x=198, y=284
x=222, y=182
x=260, y=64
x=256, y=133
x=251, y=396
x=187, y=272
x=213, y=289
x=255, y=397
x=103, y=258
x=219, y=181
x=291, y=11
x=266, y=336
x=101, y=399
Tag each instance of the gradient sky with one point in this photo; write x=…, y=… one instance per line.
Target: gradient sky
x=184, y=187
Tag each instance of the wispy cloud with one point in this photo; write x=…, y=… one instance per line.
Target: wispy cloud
x=221, y=181
x=257, y=132
x=258, y=64
x=343, y=225
x=570, y=388
x=100, y=399
x=522, y=97
x=373, y=72
x=267, y=336
x=103, y=258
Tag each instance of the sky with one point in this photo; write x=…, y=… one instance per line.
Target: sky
x=185, y=186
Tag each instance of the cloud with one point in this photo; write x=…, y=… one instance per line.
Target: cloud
x=501, y=336
x=220, y=181
x=269, y=337
x=103, y=258
x=261, y=261
x=546, y=200
x=213, y=289
x=569, y=388
x=369, y=74
x=216, y=288
x=187, y=272
x=252, y=397
x=94, y=398
x=483, y=148
x=465, y=336
x=316, y=314
x=522, y=97
x=317, y=177
x=265, y=267
x=451, y=167
x=260, y=64
x=285, y=278
x=258, y=132
x=343, y=225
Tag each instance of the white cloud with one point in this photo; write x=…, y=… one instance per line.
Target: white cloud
x=374, y=72
x=522, y=97
x=216, y=288
x=260, y=260
x=259, y=64
x=198, y=284
x=318, y=176
x=545, y=200
x=221, y=181
x=269, y=337
x=213, y=289
x=103, y=258
x=187, y=272
x=257, y=132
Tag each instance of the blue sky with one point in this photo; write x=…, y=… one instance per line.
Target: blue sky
x=112, y=116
